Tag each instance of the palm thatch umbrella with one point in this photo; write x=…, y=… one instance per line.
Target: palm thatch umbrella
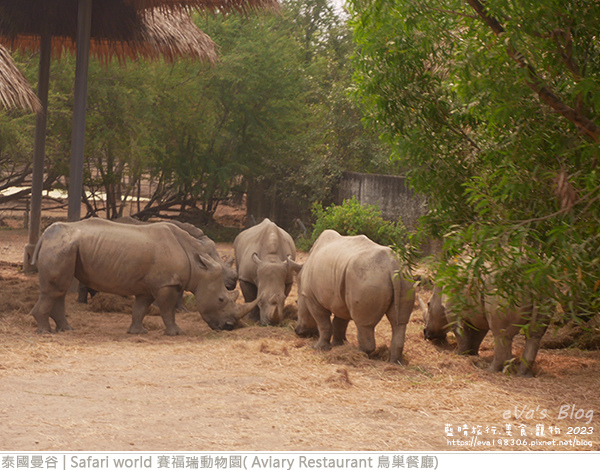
x=107, y=27
x=158, y=33
x=15, y=91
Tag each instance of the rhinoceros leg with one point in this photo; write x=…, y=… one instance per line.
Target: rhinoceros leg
x=140, y=308
x=397, y=344
x=250, y=292
x=340, y=325
x=322, y=317
x=167, y=301
x=41, y=313
x=59, y=316
x=532, y=345
x=398, y=315
x=469, y=340
x=503, y=339
x=366, y=338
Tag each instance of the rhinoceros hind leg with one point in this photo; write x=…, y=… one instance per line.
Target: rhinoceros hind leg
x=167, y=301
x=140, y=308
x=472, y=341
x=397, y=344
x=41, y=312
x=322, y=317
x=532, y=345
x=366, y=338
x=340, y=326
x=503, y=339
x=502, y=352
x=59, y=316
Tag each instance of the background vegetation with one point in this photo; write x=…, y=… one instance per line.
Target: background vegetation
x=352, y=218
x=492, y=107
x=274, y=110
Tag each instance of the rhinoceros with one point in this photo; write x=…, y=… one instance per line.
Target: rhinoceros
x=265, y=258
x=150, y=262
x=355, y=279
x=229, y=274
x=471, y=326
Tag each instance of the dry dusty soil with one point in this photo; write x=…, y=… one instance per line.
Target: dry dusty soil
x=262, y=388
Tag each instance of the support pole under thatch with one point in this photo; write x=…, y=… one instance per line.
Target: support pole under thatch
x=84, y=23
x=39, y=151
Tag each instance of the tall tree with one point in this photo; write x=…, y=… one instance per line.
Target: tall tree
x=493, y=108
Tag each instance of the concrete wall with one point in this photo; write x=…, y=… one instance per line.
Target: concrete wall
x=391, y=193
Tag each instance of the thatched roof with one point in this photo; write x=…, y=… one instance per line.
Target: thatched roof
x=146, y=33
x=15, y=91
x=112, y=20
x=168, y=34
x=173, y=33
x=211, y=5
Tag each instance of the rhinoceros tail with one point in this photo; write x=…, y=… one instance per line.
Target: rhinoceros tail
x=36, y=251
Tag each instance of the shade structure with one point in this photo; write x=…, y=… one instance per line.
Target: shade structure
x=118, y=27
x=169, y=34
x=15, y=91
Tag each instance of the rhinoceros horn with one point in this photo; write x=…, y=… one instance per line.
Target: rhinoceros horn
x=422, y=303
x=293, y=265
x=244, y=309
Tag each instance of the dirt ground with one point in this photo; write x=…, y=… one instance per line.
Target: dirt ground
x=262, y=388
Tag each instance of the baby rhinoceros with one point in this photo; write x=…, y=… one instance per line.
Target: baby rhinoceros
x=471, y=326
x=355, y=279
x=153, y=262
x=265, y=257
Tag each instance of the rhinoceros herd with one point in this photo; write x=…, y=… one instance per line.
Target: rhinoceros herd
x=351, y=277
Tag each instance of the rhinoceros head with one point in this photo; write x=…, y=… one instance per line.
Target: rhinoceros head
x=215, y=303
x=272, y=278
x=434, y=315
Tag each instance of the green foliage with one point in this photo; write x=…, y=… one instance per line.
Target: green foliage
x=479, y=120
x=353, y=218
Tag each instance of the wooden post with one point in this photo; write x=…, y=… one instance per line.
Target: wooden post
x=84, y=23
x=39, y=151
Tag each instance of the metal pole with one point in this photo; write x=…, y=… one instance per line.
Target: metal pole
x=39, y=151
x=84, y=23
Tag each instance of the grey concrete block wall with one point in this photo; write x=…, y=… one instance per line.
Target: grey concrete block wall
x=391, y=193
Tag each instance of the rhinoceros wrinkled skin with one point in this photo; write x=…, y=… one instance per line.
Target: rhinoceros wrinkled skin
x=229, y=274
x=471, y=326
x=355, y=279
x=265, y=255
x=151, y=262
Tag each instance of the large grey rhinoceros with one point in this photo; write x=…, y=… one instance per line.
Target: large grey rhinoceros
x=353, y=278
x=471, y=326
x=151, y=262
x=229, y=274
x=265, y=257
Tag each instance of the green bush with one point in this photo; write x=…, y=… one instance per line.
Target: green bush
x=353, y=218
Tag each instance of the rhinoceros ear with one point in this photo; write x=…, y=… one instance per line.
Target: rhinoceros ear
x=205, y=262
x=256, y=259
x=229, y=261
